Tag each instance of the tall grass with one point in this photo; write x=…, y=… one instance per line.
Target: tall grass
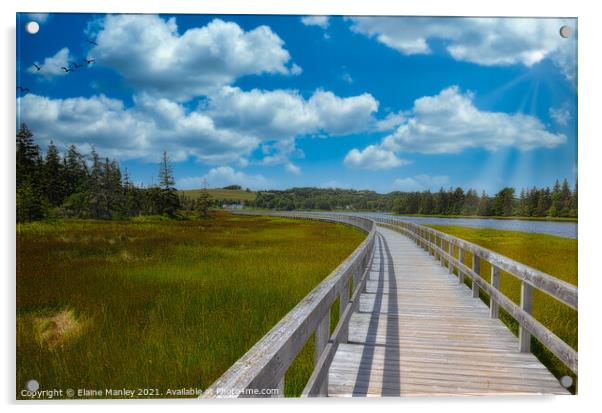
x=553, y=255
x=162, y=304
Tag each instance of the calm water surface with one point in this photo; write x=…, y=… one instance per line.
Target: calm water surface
x=560, y=229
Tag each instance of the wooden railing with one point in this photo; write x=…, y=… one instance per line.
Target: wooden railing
x=444, y=246
x=264, y=366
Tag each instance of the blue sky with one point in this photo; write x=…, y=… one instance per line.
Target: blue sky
x=381, y=103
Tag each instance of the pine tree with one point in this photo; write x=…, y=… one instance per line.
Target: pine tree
x=166, y=179
x=52, y=177
x=484, y=205
x=30, y=203
x=28, y=157
x=203, y=202
x=75, y=170
x=166, y=199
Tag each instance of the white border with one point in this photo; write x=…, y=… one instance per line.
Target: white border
x=589, y=201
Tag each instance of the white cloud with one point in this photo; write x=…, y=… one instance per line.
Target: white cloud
x=373, y=158
x=223, y=176
x=227, y=128
x=142, y=131
x=321, y=21
x=296, y=69
x=450, y=123
x=390, y=122
x=51, y=66
x=292, y=168
x=420, y=182
x=150, y=53
x=485, y=41
x=561, y=115
x=282, y=114
x=347, y=78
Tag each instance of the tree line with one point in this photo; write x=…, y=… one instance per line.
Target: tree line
x=558, y=201
x=77, y=185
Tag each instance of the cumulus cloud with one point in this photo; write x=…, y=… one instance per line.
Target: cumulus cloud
x=223, y=176
x=484, y=41
x=449, y=122
x=390, y=122
x=150, y=53
x=51, y=66
x=561, y=115
x=227, y=128
x=420, y=182
x=142, y=131
x=281, y=114
x=321, y=21
x=373, y=158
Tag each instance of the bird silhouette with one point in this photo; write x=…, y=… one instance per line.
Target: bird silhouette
x=92, y=42
x=89, y=61
x=38, y=68
x=66, y=69
x=23, y=89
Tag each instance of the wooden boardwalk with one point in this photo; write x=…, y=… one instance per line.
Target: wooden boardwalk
x=417, y=331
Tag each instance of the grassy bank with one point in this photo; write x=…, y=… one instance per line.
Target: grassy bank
x=217, y=193
x=554, y=255
x=162, y=304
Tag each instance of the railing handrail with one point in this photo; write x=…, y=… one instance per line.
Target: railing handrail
x=521, y=313
x=266, y=363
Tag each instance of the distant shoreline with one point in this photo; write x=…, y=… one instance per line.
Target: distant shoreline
x=519, y=218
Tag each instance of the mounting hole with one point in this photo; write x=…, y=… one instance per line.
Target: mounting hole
x=565, y=31
x=566, y=381
x=32, y=385
x=32, y=27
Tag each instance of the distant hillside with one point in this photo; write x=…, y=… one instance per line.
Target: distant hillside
x=221, y=194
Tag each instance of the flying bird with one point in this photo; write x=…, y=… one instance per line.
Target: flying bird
x=66, y=69
x=92, y=42
x=89, y=61
x=23, y=89
x=38, y=68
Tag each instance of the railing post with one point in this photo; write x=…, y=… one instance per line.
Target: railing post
x=322, y=334
x=343, y=302
x=494, y=309
x=476, y=267
x=461, y=258
x=450, y=251
x=524, y=337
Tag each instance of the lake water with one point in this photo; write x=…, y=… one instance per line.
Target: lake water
x=560, y=229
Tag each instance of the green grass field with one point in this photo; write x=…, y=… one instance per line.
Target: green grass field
x=164, y=304
x=554, y=255
x=233, y=194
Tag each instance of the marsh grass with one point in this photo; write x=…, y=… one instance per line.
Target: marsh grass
x=553, y=255
x=155, y=304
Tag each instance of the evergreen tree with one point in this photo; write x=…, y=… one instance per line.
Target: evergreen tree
x=471, y=203
x=30, y=202
x=484, y=205
x=166, y=179
x=53, y=183
x=503, y=202
x=75, y=170
x=167, y=197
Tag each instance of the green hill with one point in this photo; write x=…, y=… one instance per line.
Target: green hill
x=217, y=193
